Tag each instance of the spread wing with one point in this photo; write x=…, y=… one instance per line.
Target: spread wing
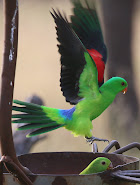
x=86, y=25
x=78, y=70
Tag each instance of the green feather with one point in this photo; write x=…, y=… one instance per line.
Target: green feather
x=28, y=105
x=36, y=125
x=26, y=110
x=37, y=117
x=44, y=130
x=28, y=116
x=85, y=21
x=43, y=119
x=90, y=86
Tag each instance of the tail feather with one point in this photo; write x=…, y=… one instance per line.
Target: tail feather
x=35, y=117
x=36, y=125
x=30, y=116
x=28, y=105
x=26, y=110
x=44, y=130
x=44, y=119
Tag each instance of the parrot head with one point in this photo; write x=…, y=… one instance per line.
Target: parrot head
x=102, y=164
x=99, y=164
x=121, y=84
x=116, y=85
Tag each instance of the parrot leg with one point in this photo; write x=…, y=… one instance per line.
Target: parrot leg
x=92, y=139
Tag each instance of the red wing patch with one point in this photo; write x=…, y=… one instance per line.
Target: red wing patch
x=97, y=57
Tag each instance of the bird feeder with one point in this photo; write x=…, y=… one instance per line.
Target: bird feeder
x=63, y=168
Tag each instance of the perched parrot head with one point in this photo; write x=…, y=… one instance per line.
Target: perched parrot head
x=99, y=164
x=102, y=164
x=116, y=85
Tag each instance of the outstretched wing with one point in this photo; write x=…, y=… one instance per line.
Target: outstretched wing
x=86, y=25
x=78, y=70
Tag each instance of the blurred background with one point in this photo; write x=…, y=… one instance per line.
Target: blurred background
x=38, y=69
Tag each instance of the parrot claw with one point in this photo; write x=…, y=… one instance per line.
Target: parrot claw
x=92, y=139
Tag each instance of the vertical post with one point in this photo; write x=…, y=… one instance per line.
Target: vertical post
x=7, y=77
x=7, y=87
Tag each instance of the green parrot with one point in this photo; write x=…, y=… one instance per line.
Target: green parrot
x=99, y=164
x=80, y=85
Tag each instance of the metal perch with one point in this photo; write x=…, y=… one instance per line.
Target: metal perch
x=128, y=175
x=111, y=145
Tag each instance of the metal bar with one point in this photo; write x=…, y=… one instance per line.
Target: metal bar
x=118, y=175
x=7, y=82
x=94, y=148
x=7, y=77
x=1, y=172
x=111, y=145
x=131, y=171
x=127, y=147
x=12, y=168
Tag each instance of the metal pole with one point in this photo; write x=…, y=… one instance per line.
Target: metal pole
x=7, y=87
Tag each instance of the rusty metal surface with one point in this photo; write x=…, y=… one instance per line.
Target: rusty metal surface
x=62, y=168
x=71, y=180
x=68, y=162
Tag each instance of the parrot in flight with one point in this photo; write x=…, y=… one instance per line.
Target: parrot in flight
x=81, y=81
x=99, y=164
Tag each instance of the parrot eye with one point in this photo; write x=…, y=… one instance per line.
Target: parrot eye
x=122, y=83
x=103, y=163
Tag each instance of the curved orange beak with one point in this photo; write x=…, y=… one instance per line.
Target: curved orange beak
x=110, y=166
x=124, y=90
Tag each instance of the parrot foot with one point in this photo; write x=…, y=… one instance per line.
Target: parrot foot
x=92, y=139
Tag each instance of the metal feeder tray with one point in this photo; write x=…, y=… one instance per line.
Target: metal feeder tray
x=62, y=168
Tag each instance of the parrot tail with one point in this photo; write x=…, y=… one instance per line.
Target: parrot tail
x=35, y=117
